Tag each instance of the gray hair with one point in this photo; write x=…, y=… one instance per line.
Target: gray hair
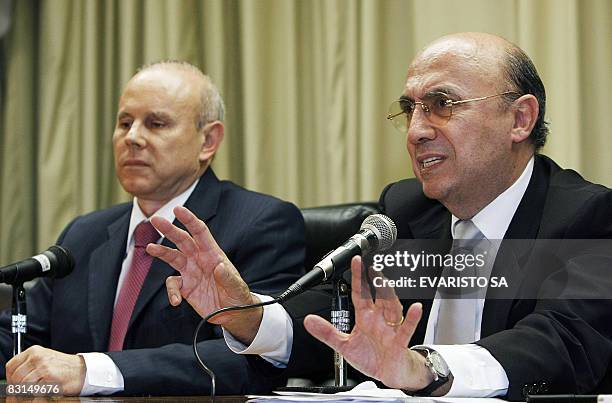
x=523, y=77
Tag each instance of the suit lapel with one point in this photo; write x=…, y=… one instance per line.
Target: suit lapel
x=512, y=255
x=105, y=263
x=203, y=203
x=434, y=225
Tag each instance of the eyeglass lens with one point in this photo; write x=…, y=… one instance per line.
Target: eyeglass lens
x=437, y=108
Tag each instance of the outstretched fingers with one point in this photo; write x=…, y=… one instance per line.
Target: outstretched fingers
x=412, y=319
x=183, y=241
x=360, y=295
x=173, y=257
x=325, y=332
x=386, y=299
x=198, y=230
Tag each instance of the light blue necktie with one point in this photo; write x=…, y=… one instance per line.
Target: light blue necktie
x=457, y=315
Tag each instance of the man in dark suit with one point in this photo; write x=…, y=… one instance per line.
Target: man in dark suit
x=169, y=126
x=473, y=111
x=554, y=345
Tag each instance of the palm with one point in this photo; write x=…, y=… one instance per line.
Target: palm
x=203, y=291
x=377, y=345
x=198, y=287
x=208, y=280
x=374, y=348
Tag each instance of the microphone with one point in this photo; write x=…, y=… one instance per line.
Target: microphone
x=55, y=262
x=377, y=233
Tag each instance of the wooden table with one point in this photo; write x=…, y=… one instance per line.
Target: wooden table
x=152, y=399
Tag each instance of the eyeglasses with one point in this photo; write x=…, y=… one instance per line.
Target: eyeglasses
x=437, y=107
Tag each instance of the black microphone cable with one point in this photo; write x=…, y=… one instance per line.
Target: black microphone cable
x=205, y=319
x=291, y=292
x=377, y=232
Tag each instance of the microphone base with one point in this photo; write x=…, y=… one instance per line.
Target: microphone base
x=315, y=389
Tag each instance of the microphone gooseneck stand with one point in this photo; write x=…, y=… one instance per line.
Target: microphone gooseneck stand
x=377, y=232
x=19, y=322
x=341, y=319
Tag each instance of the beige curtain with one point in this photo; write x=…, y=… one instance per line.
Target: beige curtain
x=306, y=83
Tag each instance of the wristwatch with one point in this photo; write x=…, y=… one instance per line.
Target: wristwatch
x=436, y=364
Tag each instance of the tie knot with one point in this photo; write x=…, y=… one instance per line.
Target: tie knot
x=144, y=234
x=466, y=229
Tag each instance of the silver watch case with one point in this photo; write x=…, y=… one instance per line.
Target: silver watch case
x=434, y=361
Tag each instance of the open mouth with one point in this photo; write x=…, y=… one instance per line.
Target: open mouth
x=429, y=162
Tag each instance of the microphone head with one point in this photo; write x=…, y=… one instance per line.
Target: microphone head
x=384, y=229
x=64, y=262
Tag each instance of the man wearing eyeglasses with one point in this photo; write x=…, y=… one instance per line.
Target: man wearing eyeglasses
x=473, y=114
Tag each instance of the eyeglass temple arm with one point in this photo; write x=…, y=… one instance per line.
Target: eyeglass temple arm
x=482, y=98
x=390, y=116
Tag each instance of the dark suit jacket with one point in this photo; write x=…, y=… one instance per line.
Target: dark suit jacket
x=261, y=235
x=554, y=345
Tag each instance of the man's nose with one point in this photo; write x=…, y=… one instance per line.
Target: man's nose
x=420, y=129
x=135, y=136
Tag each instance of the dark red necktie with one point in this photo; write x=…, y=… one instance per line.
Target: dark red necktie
x=144, y=233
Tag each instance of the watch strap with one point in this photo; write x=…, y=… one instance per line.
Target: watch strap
x=441, y=379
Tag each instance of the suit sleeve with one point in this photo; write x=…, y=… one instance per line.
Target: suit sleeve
x=565, y=344
x=309, y=358
x=269, y=257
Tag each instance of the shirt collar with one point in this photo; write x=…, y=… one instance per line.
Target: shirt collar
x=493, y=220
x=166, y=211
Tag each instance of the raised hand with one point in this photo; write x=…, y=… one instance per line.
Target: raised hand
x=208, y=280
x=378, y=344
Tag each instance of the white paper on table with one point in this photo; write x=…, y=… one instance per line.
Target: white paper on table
x=365, y=392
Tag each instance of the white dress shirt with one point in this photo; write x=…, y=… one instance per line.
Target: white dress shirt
x=476, y=373
x=102, y=376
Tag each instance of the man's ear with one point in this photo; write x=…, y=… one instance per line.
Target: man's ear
x=213, y=133
x=525, y=112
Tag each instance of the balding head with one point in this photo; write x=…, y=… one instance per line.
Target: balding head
x=211, y=103
x=494, y=60
x=479, y=51
x=471, y=133
x=474, y=45
x=168, y=131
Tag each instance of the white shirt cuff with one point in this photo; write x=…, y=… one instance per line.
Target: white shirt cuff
x=102, y=376
x=274, y=338
x=476, y=373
